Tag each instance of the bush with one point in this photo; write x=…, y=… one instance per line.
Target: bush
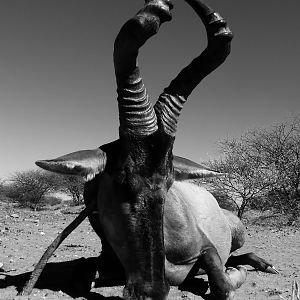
x=261, y=203
x=261, y=169
x=73, y=186
x=50, y=201
x=224, y=201
x=29, y=188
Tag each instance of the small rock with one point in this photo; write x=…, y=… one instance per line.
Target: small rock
x=15, y=216
x=5, y=269
x=32, y=220
x=42, y=233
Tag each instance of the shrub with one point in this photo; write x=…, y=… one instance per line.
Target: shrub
x=50, y=201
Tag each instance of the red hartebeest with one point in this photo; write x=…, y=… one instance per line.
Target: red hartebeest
x=159, y=228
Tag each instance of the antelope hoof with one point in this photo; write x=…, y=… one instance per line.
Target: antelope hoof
x=237, y=276
x=271, y=270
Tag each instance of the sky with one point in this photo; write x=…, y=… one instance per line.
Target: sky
x=57, y=85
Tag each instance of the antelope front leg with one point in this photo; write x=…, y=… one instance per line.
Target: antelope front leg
x=222, y=284
x=139, y=178
x=253, y=260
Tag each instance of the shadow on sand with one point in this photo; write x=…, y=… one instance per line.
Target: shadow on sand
x=65, y=277
x=75, y=277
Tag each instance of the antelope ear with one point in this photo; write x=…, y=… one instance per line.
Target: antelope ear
x=186, y=169
x=85, y=163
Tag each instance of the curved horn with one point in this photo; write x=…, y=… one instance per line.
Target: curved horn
x=170, y=102
x=136, y=113
x=85, y=163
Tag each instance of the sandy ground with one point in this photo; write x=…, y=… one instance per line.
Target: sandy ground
x=24, y=236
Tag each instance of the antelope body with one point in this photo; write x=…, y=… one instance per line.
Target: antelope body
x=158, y=227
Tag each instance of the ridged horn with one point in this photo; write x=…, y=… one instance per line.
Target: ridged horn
x=171, y=101
x=85, y=163
x=136, y=113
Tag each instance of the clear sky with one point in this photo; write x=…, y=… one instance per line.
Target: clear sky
x=57, y=85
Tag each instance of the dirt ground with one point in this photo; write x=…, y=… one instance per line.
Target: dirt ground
x=24, y=236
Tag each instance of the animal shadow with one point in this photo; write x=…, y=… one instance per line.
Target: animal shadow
x=62, y=276
x=75, y=277
x=196, y=286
